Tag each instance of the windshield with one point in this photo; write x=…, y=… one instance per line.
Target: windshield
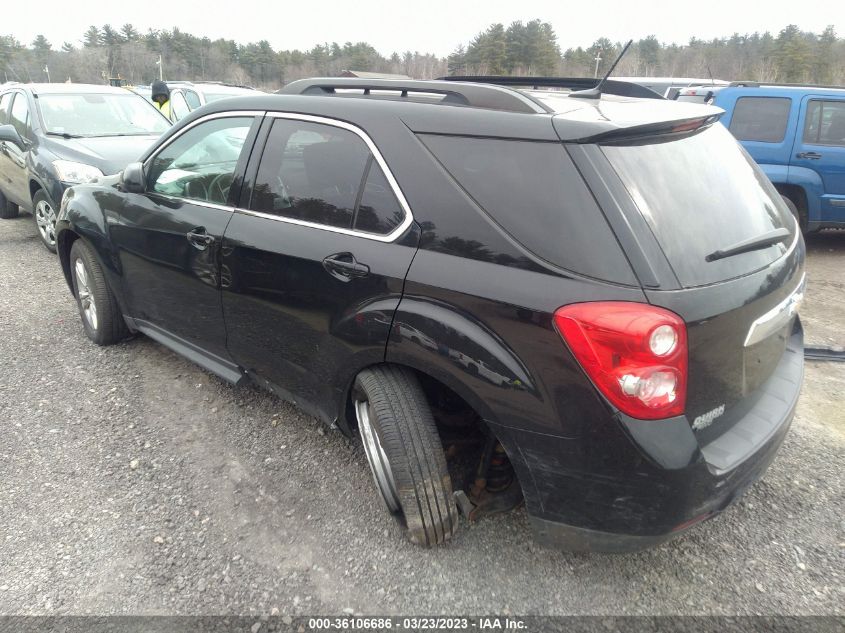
x=100, y=115
x=701, y=194
x=144, y=91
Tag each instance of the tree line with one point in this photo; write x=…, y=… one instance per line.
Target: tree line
x=530, y=48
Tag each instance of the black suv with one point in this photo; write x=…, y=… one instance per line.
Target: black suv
x=507, y=293
x=56, y=135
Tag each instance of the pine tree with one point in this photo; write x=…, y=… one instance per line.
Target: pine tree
x=649, y=52
x=457, y=60
x=92, y=37
x=825, y=56
x=792, y=55
x=494, y=52
x=128, y=33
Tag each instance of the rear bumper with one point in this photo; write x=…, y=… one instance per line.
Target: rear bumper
x=636, y=484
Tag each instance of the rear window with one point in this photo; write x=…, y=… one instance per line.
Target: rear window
x=760, y=118
x=534, y=192
x=701, y=194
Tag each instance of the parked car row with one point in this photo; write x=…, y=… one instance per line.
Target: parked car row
x=53, y=136
x=579, y=300
x=187, y=96
x=797, y=136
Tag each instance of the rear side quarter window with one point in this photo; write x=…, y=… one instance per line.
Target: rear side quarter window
x=761, y=119
x=534, y=192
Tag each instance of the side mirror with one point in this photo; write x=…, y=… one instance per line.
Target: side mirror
x=132, y=179
x=9, y=134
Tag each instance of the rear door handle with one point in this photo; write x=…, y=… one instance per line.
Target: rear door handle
x=199, y=239
x=345, y=267
x=808, y=155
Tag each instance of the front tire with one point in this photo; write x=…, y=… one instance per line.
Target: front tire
x=405, y=454
x=44, y=213
x=98, y=307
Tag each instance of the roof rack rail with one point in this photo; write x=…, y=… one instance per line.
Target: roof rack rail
x=493, y=97
x=611, y=86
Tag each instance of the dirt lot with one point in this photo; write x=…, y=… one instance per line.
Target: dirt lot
x=133, y=482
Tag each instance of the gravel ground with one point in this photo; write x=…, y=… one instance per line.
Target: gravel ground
x=133, y=482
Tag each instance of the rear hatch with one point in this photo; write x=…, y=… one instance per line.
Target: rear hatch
x=737, y=257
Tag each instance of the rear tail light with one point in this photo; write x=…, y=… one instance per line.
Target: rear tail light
x=635, y=354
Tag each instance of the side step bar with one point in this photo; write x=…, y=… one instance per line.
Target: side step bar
x=221, y=367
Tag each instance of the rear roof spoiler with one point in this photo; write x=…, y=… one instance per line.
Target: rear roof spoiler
x=611, y=86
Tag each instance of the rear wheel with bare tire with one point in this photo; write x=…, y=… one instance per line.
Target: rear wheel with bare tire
x=405, y=454
x=98, y=307
x=44, y=212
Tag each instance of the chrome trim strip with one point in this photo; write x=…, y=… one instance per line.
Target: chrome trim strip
x=777, y=317
x=394, y=185
x=201, y=203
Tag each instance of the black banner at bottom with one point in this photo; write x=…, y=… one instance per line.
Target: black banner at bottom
x=493, y=623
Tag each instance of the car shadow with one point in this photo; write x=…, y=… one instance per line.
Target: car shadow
x=828, y=240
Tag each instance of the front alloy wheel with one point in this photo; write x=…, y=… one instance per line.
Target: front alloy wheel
x=87, y=303
x=98, y=307
x=45, y=220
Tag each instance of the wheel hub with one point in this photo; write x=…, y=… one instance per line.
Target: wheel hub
x=45, y=218
x=86, y=299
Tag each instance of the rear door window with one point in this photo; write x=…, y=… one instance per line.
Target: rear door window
x=325, y=175
x=825, y=123
x=533, y=191
x=700, y=194
x=761, y=119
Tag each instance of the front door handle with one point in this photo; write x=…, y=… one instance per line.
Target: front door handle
x=808, y=155
x=345, y=267
x=199, y=239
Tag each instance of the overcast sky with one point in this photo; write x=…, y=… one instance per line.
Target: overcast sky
x=436, y=26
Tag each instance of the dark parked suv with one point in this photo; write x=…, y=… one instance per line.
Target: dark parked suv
x=55, y=135
x=508, y=294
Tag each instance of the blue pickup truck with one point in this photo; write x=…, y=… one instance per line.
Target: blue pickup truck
x=797, y=135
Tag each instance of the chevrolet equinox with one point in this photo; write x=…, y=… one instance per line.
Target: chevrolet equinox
x=581, y=302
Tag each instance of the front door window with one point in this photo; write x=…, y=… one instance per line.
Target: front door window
x=201, y=163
